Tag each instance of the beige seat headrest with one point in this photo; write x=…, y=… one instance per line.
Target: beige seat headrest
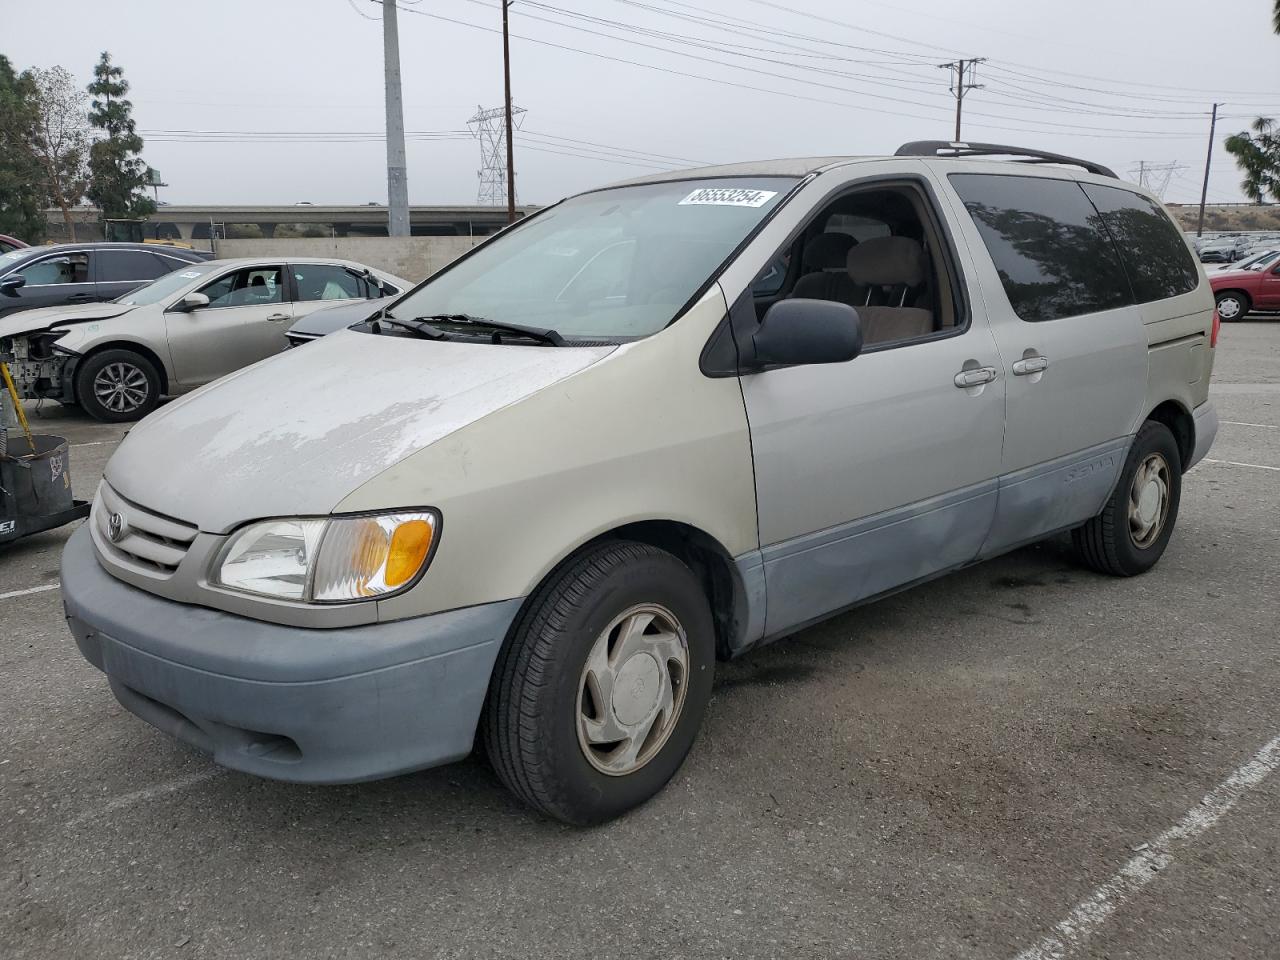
x=887, y=262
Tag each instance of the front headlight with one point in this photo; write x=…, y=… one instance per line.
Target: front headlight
x=329, y=560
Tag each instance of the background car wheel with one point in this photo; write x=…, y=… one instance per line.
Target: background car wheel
x=1232, y=306
x=117, y=386
x=1133, y=529
x=598, y=694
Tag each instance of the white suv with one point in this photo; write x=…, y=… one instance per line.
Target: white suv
x=652, y=425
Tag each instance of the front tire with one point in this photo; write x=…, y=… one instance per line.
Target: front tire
x=1130, y=534
x=1233, y=306
x=117, y=386
x=598, y=694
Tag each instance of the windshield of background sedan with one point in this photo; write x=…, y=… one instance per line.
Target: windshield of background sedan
x=165, y=286
x=616, y=264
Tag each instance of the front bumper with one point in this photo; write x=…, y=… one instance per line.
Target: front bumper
x=290, y=703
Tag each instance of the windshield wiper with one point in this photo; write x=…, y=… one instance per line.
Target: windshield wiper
x=423, y=330
x=540, y=334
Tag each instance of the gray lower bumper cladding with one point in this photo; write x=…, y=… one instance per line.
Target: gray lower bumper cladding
x=289, y=703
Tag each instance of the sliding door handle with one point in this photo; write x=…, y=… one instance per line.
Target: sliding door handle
x=1029, y=365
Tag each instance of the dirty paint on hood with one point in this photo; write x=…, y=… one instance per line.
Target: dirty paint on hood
x=295, y=434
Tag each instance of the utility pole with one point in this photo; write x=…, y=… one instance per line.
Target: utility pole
x=397, y=170
x=506, y=79
x=960, y=86
x=1208, y=159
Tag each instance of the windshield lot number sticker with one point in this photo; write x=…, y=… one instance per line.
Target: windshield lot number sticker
x=729, y=197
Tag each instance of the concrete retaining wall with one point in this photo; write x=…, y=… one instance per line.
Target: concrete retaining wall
x=413, y=258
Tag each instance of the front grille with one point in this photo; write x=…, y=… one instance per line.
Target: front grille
x=143, y=539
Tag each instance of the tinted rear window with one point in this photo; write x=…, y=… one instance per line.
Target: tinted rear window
x=125, y=265
x=1155, y=255
x=1048, y=242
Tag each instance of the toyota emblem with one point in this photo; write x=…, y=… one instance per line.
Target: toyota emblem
x=115, y=527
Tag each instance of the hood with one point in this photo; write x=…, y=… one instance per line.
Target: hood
x=45, y=318
x=330, y=319
x=1232, y=276
x=295, y=434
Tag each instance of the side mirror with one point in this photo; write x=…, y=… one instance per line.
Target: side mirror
x=801, y=331
x=192, y=301
x=10, y=285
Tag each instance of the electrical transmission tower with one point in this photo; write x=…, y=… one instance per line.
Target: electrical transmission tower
x=489, y=127
x=1155, y=176
x=963, y=73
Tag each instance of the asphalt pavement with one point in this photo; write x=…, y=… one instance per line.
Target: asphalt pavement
x=1024, y=759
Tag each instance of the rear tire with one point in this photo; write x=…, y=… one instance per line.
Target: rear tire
x=1233, y=306
x=1130, y=534
x=117, y=386
x=598, y=694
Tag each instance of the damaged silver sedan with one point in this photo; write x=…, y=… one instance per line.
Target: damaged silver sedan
x=189, y=327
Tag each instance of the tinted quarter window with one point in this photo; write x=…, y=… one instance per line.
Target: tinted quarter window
x=1048, y=243
x=122, y=265
x=1156, y=257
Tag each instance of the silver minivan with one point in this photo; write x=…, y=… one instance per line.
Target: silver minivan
x=530, y=503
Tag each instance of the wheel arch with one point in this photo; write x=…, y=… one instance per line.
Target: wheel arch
x=1181, y=424
x=710, y=562
x=134, y=347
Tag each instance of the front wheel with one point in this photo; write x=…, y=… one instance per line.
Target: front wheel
x=1133, y=529
x=1232, y=306
x=598, y=695
x=116, y=386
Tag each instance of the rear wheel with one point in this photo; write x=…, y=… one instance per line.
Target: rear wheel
x=598, y=695
x=1133, y=529
x=1232, y=306
x=117, y=386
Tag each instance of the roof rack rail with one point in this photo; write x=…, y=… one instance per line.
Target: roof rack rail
x=947, y=148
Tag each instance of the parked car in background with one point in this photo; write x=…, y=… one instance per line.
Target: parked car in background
x=75, y=273
x=8, y=243
x=530, y=506
x=327, y=320
x=1255, y=258
x=176, y=333
x=1255, y=287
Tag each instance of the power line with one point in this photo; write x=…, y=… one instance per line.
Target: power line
x=1051, y=125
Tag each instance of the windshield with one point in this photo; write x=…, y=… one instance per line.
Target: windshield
x=615, y=264
x=165, y=286
x=7, y=260
x=1259, y=261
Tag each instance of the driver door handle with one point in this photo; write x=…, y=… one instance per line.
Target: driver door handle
x=975, y=377
x=1030, y=365
x=278, y=316
x=81, y=298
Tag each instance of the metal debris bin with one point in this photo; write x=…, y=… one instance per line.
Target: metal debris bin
x=35, y=486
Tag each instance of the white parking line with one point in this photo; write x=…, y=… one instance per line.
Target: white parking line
x=1093, y=912
x=1237, y=463
x=29, y=590
x=1246, y=423
x=95, y=443
x=146, y=793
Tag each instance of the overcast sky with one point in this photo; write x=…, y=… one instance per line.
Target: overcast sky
x=1115, y=82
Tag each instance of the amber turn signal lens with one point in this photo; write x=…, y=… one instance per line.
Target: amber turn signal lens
x=410, y=545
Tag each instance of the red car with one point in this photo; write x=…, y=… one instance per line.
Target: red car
x=8, y=243
x=1257, y=287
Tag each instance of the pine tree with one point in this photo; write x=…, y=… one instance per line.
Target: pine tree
x=21, y=200
x=118, y=176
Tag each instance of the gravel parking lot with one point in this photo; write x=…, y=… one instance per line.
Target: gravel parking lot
x=1021, y=759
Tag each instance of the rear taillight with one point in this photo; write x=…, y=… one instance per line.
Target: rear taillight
x=1217, y=325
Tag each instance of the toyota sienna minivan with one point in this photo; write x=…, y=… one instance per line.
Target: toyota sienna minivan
x=530, y=503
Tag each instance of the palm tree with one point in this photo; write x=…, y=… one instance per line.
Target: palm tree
x=1258, y=157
